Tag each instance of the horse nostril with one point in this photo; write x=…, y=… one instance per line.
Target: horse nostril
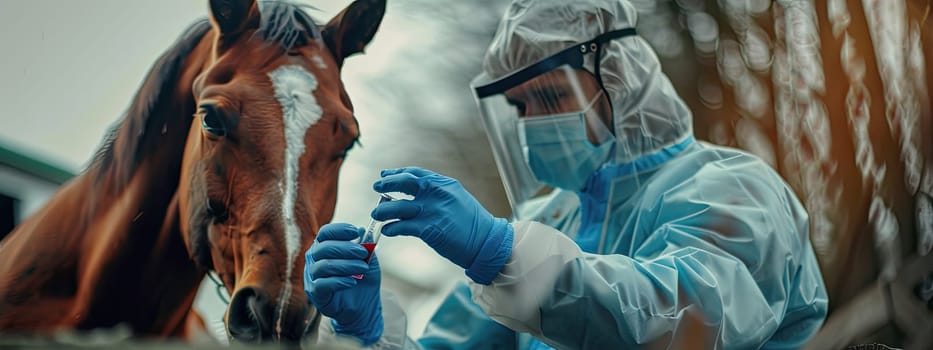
x=248, y=316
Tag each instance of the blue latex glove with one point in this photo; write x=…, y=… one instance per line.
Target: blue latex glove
x=353, y=305
x=446, y=217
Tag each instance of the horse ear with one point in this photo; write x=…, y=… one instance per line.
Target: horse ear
x=349, y=32
x=230, y=16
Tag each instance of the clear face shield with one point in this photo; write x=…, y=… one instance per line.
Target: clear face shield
x=549, y=124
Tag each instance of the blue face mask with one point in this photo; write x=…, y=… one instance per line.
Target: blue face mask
x=558, y=151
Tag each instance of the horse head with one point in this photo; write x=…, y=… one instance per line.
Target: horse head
x=259, y=174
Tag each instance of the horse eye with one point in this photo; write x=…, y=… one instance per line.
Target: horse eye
x=355, y=142
x=217, y=211
x=211, y=121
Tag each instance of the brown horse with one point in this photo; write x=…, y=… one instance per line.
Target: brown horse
x=240, y=188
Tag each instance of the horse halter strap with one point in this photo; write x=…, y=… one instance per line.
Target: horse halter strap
x=219, y=287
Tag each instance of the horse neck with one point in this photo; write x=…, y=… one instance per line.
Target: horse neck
x=141, y=221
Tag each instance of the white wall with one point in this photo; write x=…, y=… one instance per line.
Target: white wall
x=31, y=191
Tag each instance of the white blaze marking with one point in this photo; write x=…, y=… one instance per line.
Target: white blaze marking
x=293, y=88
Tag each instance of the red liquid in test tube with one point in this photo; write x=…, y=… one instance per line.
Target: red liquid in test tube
x=373, y=232
x=369, y=247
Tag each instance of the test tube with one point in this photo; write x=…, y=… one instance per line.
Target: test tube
x=373, y=232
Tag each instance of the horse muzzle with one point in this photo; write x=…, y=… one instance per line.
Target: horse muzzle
x=252, y=317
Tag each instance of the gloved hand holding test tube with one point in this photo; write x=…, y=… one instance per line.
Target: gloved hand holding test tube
x=373, y=232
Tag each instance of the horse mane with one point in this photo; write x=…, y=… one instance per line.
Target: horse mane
x=281, y=22
x=122, y=148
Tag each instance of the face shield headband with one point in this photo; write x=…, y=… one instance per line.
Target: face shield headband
x=572, y=56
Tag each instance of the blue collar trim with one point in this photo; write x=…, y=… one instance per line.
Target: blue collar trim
x=603, y=177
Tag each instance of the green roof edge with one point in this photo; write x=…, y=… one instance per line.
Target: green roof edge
x=33, y=165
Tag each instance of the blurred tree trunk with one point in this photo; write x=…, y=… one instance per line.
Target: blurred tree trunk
x=834, y=94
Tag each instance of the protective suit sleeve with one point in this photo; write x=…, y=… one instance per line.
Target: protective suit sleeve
x=539, y=253
x=723, y=259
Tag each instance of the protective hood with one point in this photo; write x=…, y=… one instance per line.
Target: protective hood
x=647, y=115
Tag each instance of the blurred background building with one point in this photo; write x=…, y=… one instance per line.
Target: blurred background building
x=832, y=93
x=26, y=183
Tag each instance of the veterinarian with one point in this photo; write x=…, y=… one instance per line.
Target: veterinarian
x=627, y=231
